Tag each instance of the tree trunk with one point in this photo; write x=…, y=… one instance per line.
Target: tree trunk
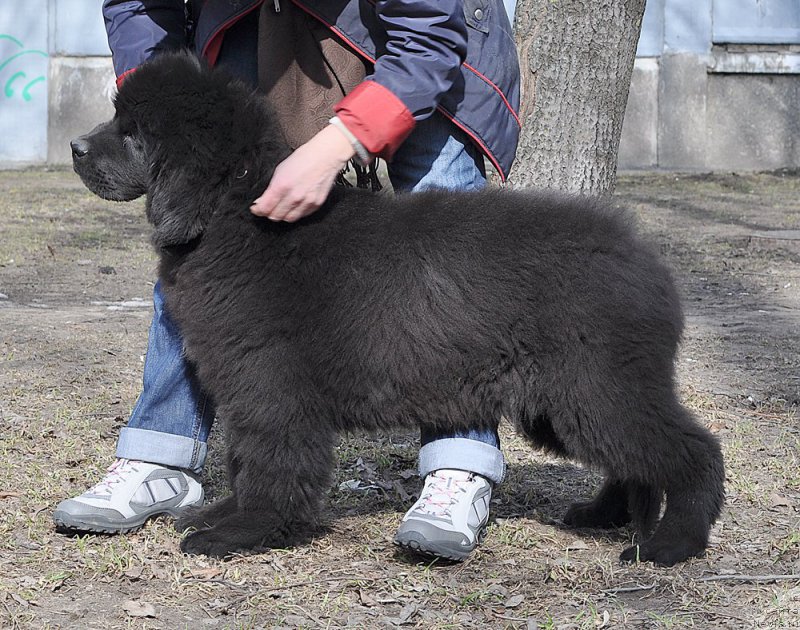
x=576, y=58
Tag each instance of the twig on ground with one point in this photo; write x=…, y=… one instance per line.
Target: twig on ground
x=262, y=591
x=749, y=578
x=194, y=580
x=507, y=617
x=11, y=615
x=630, y=589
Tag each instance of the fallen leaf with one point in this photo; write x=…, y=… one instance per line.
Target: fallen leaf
x=514, y=601
x=296, y=621
x=206, y=574
x=159, y=572
x=715, y=426
x=401, y=491
x=777, y=500
x=366, y=600
x=409, y=610
x=138, y=609
x=577, y=545
x=134, y=573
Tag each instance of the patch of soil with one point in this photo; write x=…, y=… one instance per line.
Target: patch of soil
x=76, y=277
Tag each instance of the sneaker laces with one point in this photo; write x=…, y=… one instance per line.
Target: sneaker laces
x=442, y=492
x=115, y=474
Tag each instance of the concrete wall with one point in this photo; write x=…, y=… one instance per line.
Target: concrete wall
x=697, y=100
x=716, y=86
x=55, y=77
x=23, y=81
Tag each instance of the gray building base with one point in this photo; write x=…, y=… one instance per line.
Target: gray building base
x=711, y=113
x=682, y=114
x=81, y=89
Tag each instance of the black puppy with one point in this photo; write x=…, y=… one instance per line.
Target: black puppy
x=443, y=309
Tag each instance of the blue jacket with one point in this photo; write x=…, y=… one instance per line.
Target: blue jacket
x=457, y=56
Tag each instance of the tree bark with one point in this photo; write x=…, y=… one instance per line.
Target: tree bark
x=576, y=58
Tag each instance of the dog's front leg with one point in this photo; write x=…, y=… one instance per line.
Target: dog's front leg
x=278, y=479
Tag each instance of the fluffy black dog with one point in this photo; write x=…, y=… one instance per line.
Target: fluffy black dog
x=451, y=310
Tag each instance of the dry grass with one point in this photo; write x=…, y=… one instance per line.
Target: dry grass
x=70, y=373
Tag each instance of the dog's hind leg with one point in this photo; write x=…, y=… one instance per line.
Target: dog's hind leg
x=608, y=509
x=281, y=476
x=648, y=446
x=689, y=461
x=618, y=503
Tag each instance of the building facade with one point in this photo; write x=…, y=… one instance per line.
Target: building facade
x=716, y=84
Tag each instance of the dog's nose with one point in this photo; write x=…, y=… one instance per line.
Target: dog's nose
x=79, y=147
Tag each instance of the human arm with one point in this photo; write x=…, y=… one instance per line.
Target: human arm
x=301, y=182
x=138, y=29
x=426, y=44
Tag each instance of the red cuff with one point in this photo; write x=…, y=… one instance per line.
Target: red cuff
x=375, y=116
x=121, y=77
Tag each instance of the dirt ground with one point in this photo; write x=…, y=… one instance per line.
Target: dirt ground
x=76, y=279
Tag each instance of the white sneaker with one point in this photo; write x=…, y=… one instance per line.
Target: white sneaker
x=449, y=518
x=129, y=494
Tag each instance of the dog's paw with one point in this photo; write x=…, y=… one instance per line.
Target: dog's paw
x=214, y=543
x=191, y=518
x=205, y=542
x=203, y=517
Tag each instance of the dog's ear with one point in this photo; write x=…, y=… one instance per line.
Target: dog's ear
x=180, y=202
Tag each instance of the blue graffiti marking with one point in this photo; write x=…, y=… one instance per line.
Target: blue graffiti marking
x=9, y=92
x=26, y=90
x=8, y=88
x=13, y=39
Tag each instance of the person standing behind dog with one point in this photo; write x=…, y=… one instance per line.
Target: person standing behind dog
x=438, y=91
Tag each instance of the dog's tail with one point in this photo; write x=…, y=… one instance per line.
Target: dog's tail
x=644, y=506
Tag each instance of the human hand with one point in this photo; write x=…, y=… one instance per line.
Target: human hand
x=301, y=182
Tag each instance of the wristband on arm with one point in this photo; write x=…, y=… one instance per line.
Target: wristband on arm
x=364, y=156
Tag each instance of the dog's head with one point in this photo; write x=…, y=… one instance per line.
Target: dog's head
x=185, y=136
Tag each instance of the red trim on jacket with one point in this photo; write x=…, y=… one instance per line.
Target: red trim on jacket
x=476, y=140
x=121, y=77
x=374, y=115
x=496, y=89
x=212, y=48
x=213, y=45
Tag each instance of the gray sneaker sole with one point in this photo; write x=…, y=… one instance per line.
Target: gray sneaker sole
x=100, y=525
x=106, y=523
x=416, y=541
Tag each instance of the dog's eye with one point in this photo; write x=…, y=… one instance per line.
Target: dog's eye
x=242, y=174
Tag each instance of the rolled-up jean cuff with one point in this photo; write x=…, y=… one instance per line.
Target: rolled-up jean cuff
x=166, y=449
x=463, y=454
